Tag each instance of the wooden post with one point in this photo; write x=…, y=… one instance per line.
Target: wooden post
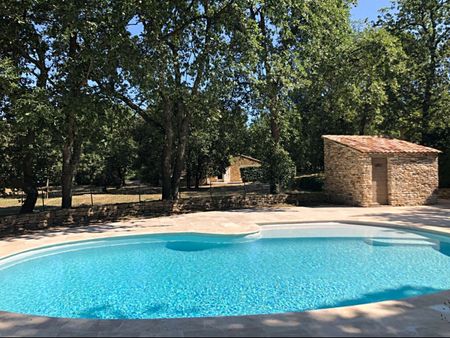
x=92, y=197
x=210, y=188
x=47, y=188
x=43, y=199
x=139, y=191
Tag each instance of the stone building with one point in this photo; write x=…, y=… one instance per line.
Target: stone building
x=233, y=173
x=371, y=170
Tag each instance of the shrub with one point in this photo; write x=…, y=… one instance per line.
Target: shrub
x=252, y=174
x=311, y=182
x=278, y=169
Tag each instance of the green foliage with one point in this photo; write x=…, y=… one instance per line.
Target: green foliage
x=252, y=174
x=148, y=142
x=313, y=182
x=203, y=81
x=423, y=103
x=278, y=168
x=110, y=154
x=26, y=131
x=215, y=136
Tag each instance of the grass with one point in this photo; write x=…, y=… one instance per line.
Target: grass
x=11, y=206
x=127, y=194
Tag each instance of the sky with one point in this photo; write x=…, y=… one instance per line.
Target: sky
x=368, y=9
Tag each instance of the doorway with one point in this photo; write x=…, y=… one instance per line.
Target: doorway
x=379, y=181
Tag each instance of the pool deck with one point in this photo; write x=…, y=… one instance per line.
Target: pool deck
x=422, y=316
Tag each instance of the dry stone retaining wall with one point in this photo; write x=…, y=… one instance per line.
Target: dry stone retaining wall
x=84, y=216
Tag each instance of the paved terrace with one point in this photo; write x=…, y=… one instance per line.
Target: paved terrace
x=426, y=315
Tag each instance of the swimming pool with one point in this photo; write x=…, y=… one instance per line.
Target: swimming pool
x=284, y=268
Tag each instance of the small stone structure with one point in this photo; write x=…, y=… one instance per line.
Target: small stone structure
x=233, y=172
x=371, y=170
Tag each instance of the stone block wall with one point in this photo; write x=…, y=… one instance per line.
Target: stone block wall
x=233, y=173
x=348, y=174
x=238, y=162
x=412, y=179
x=84, y=216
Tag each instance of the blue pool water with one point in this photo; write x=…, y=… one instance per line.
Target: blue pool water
x=198, y=276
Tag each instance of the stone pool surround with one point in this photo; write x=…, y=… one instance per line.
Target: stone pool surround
x=426, y=315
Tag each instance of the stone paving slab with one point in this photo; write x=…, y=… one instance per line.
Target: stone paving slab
x=422, y=316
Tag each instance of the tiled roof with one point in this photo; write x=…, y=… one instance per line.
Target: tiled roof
x=249, y=158
x=377, y=144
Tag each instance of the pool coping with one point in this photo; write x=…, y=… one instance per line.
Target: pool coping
x=427, y=315
x=427, y=229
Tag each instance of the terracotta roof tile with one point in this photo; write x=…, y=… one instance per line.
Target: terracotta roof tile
x=249, y=158
x=377, y=144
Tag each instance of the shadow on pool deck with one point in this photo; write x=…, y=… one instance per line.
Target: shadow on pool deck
x=424, y=316
x=438, y=216
x=125, y=226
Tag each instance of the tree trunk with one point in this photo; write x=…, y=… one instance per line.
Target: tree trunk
x=28, y=184
x=198, y=172
x=274, y=127
x=167, y=150
x=364, y=121
x=427, y=102
x=66, y=184
x=181, y=150
x=72, y=143
x=71, y=157
x=272, y=87
x=197, y=181
x=274, y=185
x=432, y=45
x=30, y=201
x=188, y=177
x=29, y=187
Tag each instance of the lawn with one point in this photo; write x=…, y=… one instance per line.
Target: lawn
x=132, y=192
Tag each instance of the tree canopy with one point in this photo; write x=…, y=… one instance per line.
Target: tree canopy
x=95, y=92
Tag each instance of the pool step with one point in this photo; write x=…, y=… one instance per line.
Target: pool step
x=402, y=242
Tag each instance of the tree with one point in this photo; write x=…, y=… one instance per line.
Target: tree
x=370, y=71
x=110, y=153
x=80, y=37
x=423, y=27
x=294, y=38
x=184, y=49
x=215, y=136
x=27, y=109
x=62, y=49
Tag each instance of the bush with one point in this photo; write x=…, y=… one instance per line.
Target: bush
x=252, y=174
x=278, y=169
x=311, y=182
x=444, y=171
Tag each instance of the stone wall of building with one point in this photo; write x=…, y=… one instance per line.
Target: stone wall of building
x=348, y=174
x=233, y=171
x=84, y=216
x=412, y=179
